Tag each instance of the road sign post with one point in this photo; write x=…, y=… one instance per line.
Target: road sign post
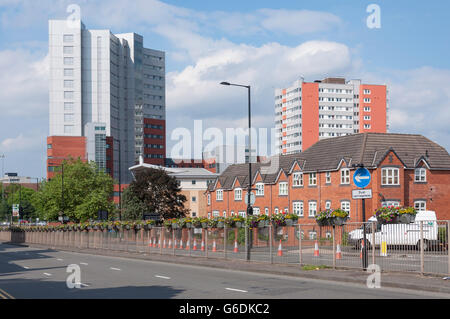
x=361, y=178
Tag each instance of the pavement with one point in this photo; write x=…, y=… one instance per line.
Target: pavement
x=410, y=282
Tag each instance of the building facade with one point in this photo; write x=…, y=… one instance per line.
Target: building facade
x=308, y=112
x=406, y=170
x=107, y=96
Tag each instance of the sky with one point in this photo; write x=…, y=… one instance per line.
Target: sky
x=265, y=44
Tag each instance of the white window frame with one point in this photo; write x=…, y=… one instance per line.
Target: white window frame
x=367, y=100
x=68, y=61
x=259, y=189
x=219, y=194
x=238, y=194
x=68, y=38
x=328, y=177
x=390, y=203
x=297, y=179
x=392, y=173
x=419, y=174
x=215, y=213
x=283, y=188
x=68, y=49
x=312, y=179
x=209, y=199
x=312, y=208
x=256, y=211
x=366, y=91
x=298, y=208
x=345, y=176
x=418, y=205
x=346, y=205
x=242, y=214
x=328, y=204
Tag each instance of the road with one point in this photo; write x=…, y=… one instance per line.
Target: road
x=40, y=273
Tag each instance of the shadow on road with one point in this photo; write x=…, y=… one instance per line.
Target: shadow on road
x=42, y=289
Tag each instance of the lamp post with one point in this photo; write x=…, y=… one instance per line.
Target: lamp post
x=62, y=186
x=249, y=205
x=3, y=175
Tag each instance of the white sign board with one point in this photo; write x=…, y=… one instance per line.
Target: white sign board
x=15, y=210
x=361, y=193
x=252, y=198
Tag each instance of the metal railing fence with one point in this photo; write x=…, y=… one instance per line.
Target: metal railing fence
x=420, y=247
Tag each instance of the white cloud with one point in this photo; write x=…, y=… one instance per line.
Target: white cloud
x=24, y=83
x=297, y=22
x=196, y=89
x=22, y=142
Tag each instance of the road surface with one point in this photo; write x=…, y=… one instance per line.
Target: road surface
x=40, y=273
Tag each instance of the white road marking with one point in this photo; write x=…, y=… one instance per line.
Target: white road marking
x=114, y=268
x=84, y=264
x=26, y=267
x=238, y=290
x=59, y=259
x=84, y=285
x=47, y=274
x=163, y=277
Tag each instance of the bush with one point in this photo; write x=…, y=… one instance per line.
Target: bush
x=241, y=236
x=442, y=234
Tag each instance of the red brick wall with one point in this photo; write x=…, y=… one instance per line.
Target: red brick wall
x=435, y=191
x=64, y=147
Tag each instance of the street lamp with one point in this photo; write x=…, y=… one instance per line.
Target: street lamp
x=62, y=186
x=249, y=205
x=120, y=177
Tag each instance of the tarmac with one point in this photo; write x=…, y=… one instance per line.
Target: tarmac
x=412, y=281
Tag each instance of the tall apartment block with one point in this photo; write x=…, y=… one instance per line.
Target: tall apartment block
x=107, y=99
x=308, y=112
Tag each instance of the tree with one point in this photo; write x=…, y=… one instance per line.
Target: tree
x=23, y=196
x=17, y=194
x=133, y=207
x=87, y=190
x=154, y=191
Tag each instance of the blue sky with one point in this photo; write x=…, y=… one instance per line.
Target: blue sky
x=265, y=43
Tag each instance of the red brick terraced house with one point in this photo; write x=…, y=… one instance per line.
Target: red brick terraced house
x=406, y=170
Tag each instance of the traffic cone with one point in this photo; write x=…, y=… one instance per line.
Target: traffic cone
x=362, y=248
x=203, y=246
x=170, y=243
x=214, y=249
x=188, y=245
x=195, y=245
x=159, y=243
x=280, y=249
x=236, y=250
x=181, y=244
x=316, y=249
x=164, y=243
x=154, y=242
x=338, y=252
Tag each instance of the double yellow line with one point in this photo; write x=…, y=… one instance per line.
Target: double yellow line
x=5, y=295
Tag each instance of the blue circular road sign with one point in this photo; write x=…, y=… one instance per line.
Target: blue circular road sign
x=361, y=178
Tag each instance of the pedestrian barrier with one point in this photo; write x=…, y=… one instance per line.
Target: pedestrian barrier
x=420, y=247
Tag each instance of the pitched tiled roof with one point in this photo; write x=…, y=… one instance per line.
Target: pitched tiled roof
x=326, y=155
